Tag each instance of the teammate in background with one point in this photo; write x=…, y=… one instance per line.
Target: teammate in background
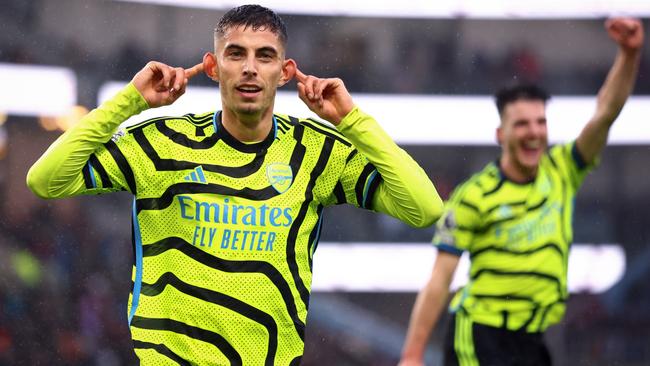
x=228, y=204
x=514, y=218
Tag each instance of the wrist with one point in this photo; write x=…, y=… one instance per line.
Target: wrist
x=411, y=356
x=630, y=52
x=135, y=95
x=353, y=116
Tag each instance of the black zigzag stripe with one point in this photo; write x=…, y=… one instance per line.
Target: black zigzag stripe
x=495, y=248
x=469, y=205
x=505, y=297
x=167, y=197
x=371, y=191
x=206, y=119
x=339, y=193
x=351, y=155
x=496, y=188
x=314, y=236
x=325, y=125
x=191, y=331
x=530, y=319
x=266, y=193
x=287, y=122
x=498, y=272
x=489, y=225
x=361, y=183
x=319, y=127
x=511, y=204
x=543, y=317
x=325, y=152
x=106, y=182
x=229, y=266
x=223, y=300
x=538, y=205
x=88, y=181
x=146, y=123
x=123, y=164
x=163, y=350
x=182, y=139
x=188, y=117
x=281, y=127
x=175, y=165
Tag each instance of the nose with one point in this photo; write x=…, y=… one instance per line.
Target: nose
x=538, y=129
x=250, y=67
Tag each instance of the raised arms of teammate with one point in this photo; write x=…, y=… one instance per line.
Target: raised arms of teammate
x=628, y=34
x=405, y=192
x=58, y=172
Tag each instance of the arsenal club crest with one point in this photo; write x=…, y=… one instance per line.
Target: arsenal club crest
x=280, y=176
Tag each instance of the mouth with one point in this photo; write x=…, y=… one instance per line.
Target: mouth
x=248, y=90
x=532, y=147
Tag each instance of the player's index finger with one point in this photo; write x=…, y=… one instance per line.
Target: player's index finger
x=194, y=70
x=300, y=76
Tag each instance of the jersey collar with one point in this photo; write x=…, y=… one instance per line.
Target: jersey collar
x=229, y=139
x=503, y=175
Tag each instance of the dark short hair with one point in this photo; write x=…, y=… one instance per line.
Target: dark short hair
x=517, y=92
x=254, y=16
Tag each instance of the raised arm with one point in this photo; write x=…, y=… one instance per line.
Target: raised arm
x=58, y=173
x=406, y=192
x=628, y=34
x=427, y=308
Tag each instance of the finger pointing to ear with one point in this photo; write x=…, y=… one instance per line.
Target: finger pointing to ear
x=300, y=77
x=194, y=70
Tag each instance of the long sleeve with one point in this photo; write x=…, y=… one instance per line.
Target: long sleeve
x=59, y=171
x=405, y=192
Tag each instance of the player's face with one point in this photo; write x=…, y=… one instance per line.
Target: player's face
x=250, y=66
x=523, y=135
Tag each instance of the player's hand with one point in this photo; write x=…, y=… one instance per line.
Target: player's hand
x=328, y=98
x=627, y=32
x=161, y=84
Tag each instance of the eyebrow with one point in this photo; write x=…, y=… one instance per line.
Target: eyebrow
x=242, y=48
x=234, y=47
x=267, y=49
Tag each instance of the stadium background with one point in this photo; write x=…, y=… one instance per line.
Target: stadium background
x=65, y=265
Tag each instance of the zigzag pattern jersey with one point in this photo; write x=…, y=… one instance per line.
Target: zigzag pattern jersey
x=225, y=232
x=518, y=238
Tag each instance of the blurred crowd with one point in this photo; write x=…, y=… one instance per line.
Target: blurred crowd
x=63, y=288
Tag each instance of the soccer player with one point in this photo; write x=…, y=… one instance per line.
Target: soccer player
x=228, y=205
x=514, y=218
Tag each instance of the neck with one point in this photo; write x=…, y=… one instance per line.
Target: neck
x=516, y=172
x=247, y=127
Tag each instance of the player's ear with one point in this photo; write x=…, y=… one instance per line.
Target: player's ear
x=499, y=135
x=288, y=71
x=210, y=66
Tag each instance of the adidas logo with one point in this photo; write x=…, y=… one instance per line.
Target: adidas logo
x=196, y=176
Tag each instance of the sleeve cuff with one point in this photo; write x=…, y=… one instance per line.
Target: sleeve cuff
x=577, y=157
x=352, y=118
x=132, y=94
x=449, y=249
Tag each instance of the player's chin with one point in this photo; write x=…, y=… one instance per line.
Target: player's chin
x=530, y=159
x=249, y=108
